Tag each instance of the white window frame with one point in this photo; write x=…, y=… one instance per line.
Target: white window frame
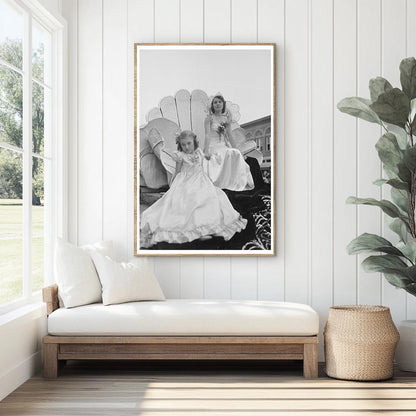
x=58, y=227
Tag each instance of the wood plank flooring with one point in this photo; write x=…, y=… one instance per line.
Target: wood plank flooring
x=206, y=388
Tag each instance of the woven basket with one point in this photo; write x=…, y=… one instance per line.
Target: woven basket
x=360, y=341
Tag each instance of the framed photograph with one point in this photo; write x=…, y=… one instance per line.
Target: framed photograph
x=204, y=165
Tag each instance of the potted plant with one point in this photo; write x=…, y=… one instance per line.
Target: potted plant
x=394, y=109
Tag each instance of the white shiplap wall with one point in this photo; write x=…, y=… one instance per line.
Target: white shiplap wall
x=326, y=50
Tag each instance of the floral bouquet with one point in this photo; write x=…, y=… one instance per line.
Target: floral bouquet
x=222, y=128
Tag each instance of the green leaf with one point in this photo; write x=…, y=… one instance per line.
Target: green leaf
x=366, y=243
x=400, y=228
x=410, y=158
x=411, y=289
x=408, y=249
x=378, y=86
x=412, y=109
x=390, y=173
x=408, y=77
x=400, y=198
x=389, y=151
x=380, y=182
x=395, y=183
x=412, y=116
x=411, y=273
x=398, y=184
x=392, y=107
x=404, y=173
x=397, y=280
x=396, y=271
x=359, y=107
x=388, y=207
x=381, y=263
x=401, y=137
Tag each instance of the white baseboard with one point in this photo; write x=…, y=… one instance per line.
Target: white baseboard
x=11, y=379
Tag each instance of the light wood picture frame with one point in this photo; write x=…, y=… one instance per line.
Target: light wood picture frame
x=204, y=149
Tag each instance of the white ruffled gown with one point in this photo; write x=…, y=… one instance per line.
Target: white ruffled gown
x=226, y=167
x=192, y=208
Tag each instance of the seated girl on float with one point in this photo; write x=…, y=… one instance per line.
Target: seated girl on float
x=193, y=208
x=226, y=165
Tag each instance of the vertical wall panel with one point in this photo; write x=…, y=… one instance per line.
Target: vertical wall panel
x=393, y=51
x=411, y=51
x=90, y=183
x=217, y=26
x=140, y=22
x=411, y=28
x=70, y=11
x=368, y=163
x=168, y=272
x=217, y=23
x=192, y=31
x=244, y=278
x=167, y=16
x=114, y=124
x=321, y=150
x=271, y=29
x=217, y=281
x=244, y=21
x=192, y=278
x=192, y=21
x=244, y=29
x=345, y=152
x=296, y=152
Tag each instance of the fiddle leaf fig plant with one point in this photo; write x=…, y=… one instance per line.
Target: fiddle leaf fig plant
x=394, y=109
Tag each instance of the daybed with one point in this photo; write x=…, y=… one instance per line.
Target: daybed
x=181, y=329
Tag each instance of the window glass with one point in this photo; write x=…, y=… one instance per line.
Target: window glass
x=41, y=46
x=11, y=226
x=11, y=34
x=40, y=118
x=38, y=223
x=23, y=272
x=11, y=106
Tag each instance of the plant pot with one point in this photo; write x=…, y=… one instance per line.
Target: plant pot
x=406, y=350
x=360, y=341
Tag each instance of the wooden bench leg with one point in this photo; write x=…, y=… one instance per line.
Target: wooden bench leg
x=310, y=360
x=50, y=360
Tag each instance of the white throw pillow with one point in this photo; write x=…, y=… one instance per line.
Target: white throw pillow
x=104, y=247
x=75, y=273
x=126, y=282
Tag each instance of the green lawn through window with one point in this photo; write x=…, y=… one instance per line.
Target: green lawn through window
x=11, y=249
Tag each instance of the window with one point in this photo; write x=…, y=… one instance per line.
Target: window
x=30, y=148
x=259, y=140
x=267, y=134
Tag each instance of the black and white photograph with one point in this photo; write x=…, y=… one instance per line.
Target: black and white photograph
x=205, y=149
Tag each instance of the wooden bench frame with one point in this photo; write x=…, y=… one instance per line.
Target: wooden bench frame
x=58, y=349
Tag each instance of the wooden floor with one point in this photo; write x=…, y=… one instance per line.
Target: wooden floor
x=191, y=389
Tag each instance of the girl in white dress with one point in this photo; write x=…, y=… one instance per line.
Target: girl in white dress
x=193, y=208
x=226, y=166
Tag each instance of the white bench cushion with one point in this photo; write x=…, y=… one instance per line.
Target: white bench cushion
x=187, y=317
